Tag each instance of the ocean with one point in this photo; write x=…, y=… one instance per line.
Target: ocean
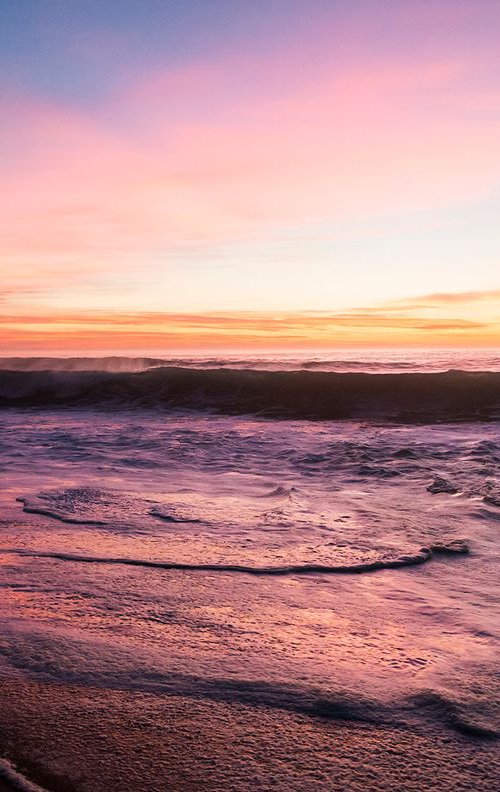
x=261, y=567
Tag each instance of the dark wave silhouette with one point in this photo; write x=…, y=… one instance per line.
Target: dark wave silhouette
x=412, y=397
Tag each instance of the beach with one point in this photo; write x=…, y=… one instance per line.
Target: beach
x=141, y=741
x=198, y=597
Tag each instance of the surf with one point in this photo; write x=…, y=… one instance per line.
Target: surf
x=299, y=395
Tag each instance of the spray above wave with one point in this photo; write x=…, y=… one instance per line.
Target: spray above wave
x=410, y=397
x=115, y=363
x=112, y=363
x=391, y=361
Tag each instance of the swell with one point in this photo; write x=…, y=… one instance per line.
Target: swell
x=457, y=546
x=415, y=397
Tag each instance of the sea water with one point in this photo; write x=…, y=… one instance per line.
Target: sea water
x=341, y=568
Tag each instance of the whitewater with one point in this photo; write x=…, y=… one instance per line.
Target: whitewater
x=232, y=556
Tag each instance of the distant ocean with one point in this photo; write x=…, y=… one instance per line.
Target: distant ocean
x=317, y=536
x=341, y=360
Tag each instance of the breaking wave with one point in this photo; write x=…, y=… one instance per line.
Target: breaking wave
x=410, y=397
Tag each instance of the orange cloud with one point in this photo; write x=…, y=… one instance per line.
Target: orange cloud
x=455, y=298
x=156, y=331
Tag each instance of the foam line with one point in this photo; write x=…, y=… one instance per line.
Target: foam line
x=17, y=781
x=420, y=557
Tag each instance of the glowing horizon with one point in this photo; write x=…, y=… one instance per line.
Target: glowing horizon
x=406, y=323
x=294, y=175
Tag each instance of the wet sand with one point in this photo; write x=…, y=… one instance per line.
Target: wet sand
x=71, y=739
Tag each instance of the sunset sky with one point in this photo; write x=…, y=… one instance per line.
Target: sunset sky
x=256, y=173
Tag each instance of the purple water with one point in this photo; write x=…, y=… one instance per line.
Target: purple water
x=292, y=564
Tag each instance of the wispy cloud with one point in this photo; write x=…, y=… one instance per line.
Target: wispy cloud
x=195, y=156
x=149, y=331
x=453, y=298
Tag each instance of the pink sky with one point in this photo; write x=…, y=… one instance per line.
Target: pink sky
x=304, y=176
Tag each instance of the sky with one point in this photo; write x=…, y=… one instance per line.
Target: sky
x=204, y=174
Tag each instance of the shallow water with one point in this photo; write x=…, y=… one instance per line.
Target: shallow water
x=230, y=497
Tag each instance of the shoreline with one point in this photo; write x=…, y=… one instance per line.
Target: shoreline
x=13, y=781
x=73, y=739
